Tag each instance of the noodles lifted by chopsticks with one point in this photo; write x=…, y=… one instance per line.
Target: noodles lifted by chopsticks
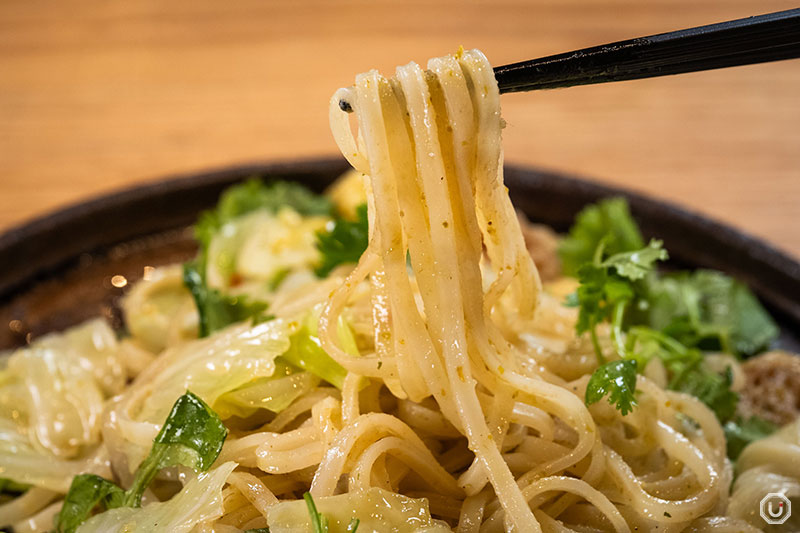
x=430, y=144
x=434, y=386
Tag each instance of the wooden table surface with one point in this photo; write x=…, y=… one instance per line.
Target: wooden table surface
x=96, y=95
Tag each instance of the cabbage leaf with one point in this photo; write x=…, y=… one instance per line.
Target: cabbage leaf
x=191, y=436
x=212, y=366
x=306, y=352
x=376, y=509
x=157, y=307
x=199, y=502
x=274, y=393
x=53, y=392
x=23, y=463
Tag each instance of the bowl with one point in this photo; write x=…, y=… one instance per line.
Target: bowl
x=75, y=263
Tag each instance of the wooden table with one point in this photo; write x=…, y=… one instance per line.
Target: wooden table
x=96, y=95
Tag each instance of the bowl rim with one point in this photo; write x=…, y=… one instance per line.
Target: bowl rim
x=37, y=247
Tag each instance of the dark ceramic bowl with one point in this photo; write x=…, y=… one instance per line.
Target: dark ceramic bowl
x=56, y=271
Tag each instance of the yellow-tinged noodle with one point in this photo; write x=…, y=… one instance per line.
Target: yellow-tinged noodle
x=462, y=404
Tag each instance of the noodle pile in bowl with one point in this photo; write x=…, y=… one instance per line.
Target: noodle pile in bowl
x=433, y=386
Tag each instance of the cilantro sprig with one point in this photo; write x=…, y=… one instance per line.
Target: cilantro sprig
x=674, y=317
x=685, y=368
x=607, y=221
x=608, y=286
x=191, y=436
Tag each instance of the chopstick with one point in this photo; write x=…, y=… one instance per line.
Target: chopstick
x=751, y=40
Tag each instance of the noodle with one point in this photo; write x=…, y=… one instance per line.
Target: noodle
x=461, y=395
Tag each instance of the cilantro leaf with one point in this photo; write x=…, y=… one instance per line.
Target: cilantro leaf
x=217, y=310
x=192, y=436
x=709, y=310
x=609, y=220
x=344, y=242
x=685, y=366
x=711, y=388
x=636, y=264
x=617, y=379
x=740, y=432
x=607, y=287
x=674, y=317
x=86, y=492
x=599, y=292
x=729, y=305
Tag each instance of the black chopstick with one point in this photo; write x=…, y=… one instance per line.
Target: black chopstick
x=759, y=39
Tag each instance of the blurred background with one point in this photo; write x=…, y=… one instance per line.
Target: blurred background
x=100, y=94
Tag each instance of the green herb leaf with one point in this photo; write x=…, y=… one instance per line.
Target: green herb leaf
x=709, y=310
x=258, y=530
x=685, y=366
x=742, y=431
x=319, y=522
x=752, y=329
x=217, y=310
x=673, y=317
x=352, y=527
x=343, y=243
x=607, y=287
x=599, y=291
x=86, y=492
x=637, y=264
x=617, y=379
x=608, y=221
x=192, y=436
x=711, y=388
